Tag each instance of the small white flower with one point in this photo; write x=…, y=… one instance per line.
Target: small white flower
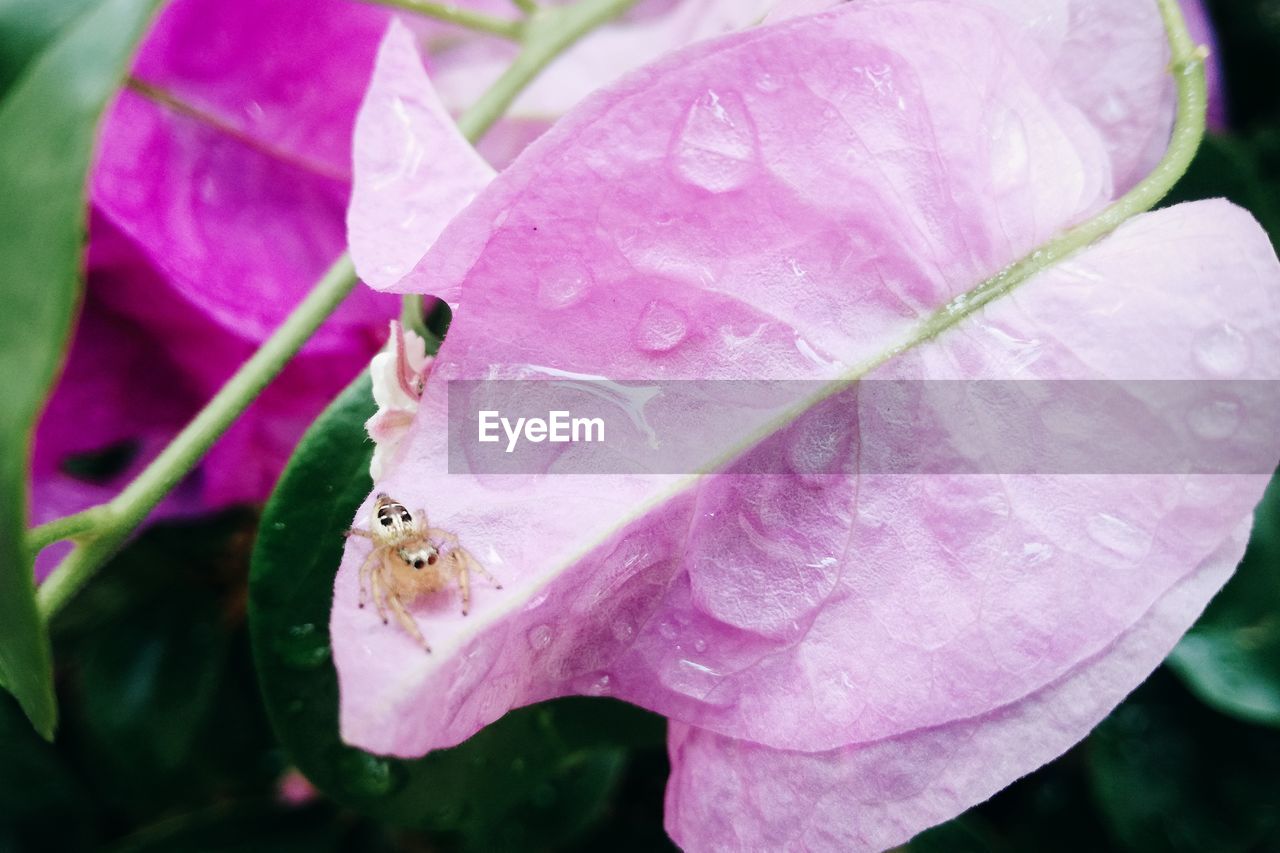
x=399, y=375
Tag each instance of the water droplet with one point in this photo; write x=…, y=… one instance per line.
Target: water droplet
x=768, y=84
x=564, y=284
x=699, y=645
x=539, y=637
x=599, y=684
x=668, y=630
x=1222, y=350
x=1118, y=535
x=1215, y=419
x=716, y=147
x=1035, y=553
x=695, y=680
x=1112, y=109
x=661, y=328
x=623, y=631
x=303, y=646
x=368, y=775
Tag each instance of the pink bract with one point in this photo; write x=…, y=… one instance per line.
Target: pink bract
x=846, y=659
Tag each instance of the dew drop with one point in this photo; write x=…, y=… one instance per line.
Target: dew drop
x=563, y=285
x=303, y=647
x=1035, y=553
x=699, y=645
x=716, y=147
x=668, y=630
x=600, y=684
x=1118, y=535
x=539, y=637
x=1009, y=152
x=661, y=328
x=695, y=680
x=1216, y=419
x=623, y=631
x=1222, y=350
x=767, y=83
x=368, y=775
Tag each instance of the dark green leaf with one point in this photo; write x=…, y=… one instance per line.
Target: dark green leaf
x=102, y=466
x=47, y=122
x=163, y=704
x=515, y=785
x=1245, y=170
x=1231, y=658
x=1173, y=775
x=38, y=786
x=255, y=827
x=1249, y=42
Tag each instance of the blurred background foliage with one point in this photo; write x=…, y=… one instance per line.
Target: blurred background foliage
x=166, y=743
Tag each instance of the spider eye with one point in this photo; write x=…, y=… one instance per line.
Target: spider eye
x=386, y=522
x=431, y=561
x=405, y=517
x=417, y=564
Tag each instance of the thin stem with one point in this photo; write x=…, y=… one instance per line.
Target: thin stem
x=413, y=313
x=452, y=14
x=1187, y=66
x=68, y=527
x=547, y=34
x=118, y=518
x=101, y=530
x=526, y=6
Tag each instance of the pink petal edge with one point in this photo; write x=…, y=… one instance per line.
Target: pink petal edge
x=413, y=168
x=735, y=795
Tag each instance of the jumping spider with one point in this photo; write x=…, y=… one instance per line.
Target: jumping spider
x=407, y=562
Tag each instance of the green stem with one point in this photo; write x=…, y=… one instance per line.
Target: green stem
x=1187, y=66
x=548, y=32
x=115, y=520
x=101, y=530
x=452, y=14
x=68, y=527
x=526, y=6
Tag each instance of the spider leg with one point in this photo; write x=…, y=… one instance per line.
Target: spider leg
x=464, y=579
x=366, y=570
x=443, y=536
x=474, y=565
x=355, y=531
x=406, y=621
x=380, y=591
x=420, y=525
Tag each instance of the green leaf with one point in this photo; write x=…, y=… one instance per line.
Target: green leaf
x=38, y=788
x=255, y=827
x=533, y=779
x=160, y=692
x=26, y=28
x=1171, y=775
x=47, y=122
x=1231, y=658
